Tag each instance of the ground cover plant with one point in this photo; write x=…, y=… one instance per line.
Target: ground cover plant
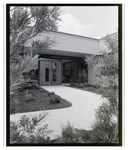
x=37, y=99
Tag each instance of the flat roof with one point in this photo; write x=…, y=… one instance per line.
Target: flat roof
x=73, y=35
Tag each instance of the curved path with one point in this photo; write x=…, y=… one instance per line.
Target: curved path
x=80, y=114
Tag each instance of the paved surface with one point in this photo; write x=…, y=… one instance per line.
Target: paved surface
x=80, y=114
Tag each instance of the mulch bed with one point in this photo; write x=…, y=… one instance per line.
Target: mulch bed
x=42, y=102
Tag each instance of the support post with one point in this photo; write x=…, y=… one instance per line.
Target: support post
x=39, y=72
x=61, y=69
x=74, y=70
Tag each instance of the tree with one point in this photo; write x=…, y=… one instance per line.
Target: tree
x=106, y=78
x=25, y=23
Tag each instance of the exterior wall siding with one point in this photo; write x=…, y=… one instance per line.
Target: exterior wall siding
x=90, y=75
x=70, y=43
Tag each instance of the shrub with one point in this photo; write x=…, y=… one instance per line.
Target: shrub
x=67, y=134
x=54, y=99
x=71, y=135
x=57, y=99
x=51, y=93
x=105, y=126
x=24, y=130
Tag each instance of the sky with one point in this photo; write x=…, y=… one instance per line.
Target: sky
x=89, y=21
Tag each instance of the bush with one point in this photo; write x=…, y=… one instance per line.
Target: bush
x=57, y=99
x=105, y=126
x=67, y=134
x=24, y=130
x=54, y=99
x=51, y=93
x=71, y=135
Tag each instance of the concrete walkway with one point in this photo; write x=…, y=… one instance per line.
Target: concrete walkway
x=80, y=114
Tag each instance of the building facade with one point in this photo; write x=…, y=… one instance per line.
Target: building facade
x=64, y=61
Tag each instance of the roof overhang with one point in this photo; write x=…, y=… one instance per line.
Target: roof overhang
x=61, y=53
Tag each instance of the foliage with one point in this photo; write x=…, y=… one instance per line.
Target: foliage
x=82, y=76
x=25, y=23
x=54, y=99
x=73, y=135
x=106, y=75
x=68, y=135
x=105, y=125
x=25, y=130
x=51, y=93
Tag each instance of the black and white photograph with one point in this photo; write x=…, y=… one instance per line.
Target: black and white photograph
x=64, y=74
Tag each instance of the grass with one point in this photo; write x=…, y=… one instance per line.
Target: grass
x=88, y=88
x=41, y=102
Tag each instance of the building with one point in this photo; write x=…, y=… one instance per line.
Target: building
x=64, y=61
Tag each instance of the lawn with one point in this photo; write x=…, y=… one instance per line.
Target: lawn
x=44, y=100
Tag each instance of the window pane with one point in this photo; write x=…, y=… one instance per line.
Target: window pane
x=46, y=74
x=54, y=71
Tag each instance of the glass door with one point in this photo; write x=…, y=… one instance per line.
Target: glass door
x=44, y=72
x=50, y=72
x=56, y=73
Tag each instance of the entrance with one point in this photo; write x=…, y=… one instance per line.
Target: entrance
x=49, y=72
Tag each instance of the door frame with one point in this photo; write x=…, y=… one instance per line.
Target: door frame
x=41, y=67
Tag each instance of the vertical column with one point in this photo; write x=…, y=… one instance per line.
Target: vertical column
x=75, y=70
x=61, y=70
x=38, y=72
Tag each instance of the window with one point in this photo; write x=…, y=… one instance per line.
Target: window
x=47, y=72
x=54, y=71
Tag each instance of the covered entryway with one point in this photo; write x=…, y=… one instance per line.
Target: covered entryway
x=69, y=50
x=49, y=72
x=55, y=70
